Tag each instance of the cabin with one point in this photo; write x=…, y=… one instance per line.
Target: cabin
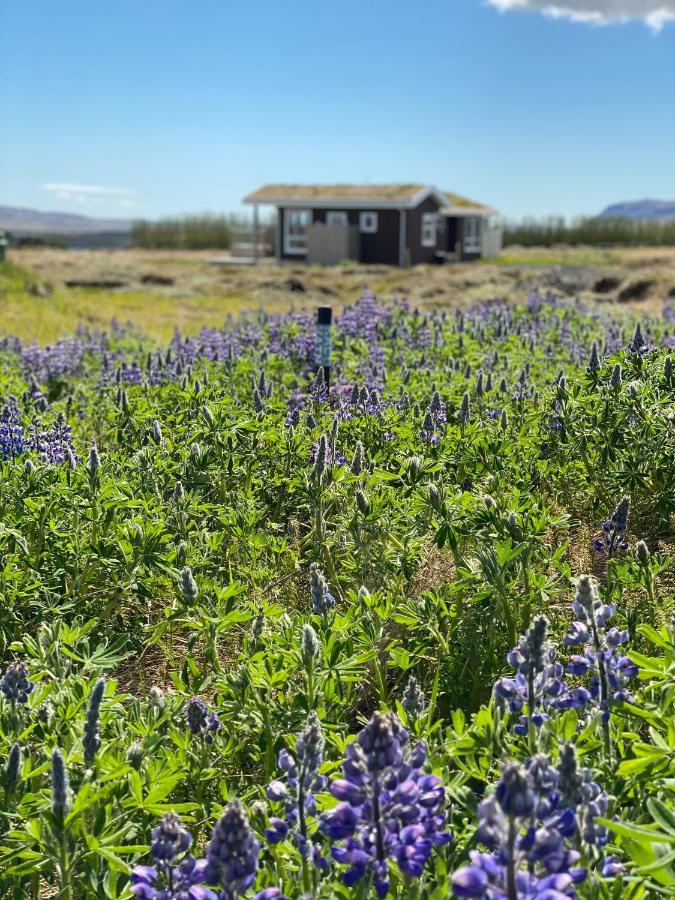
x=387, y=224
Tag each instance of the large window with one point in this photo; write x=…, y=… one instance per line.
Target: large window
x=336, y=217
x=429, y=228
x=472, y=235
x=368, y=222
x=296, y=223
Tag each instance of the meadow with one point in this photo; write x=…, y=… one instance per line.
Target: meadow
x=406, y=632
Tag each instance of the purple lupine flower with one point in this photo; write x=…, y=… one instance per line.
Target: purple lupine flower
x=175, y=875
x=610, y=672
x=614, y=530
x=519, y=824
x=296, y=792
x=200, y=721
x=91, y=740
x=322, y=599
x=539, y=681
x=15, y=684
x=232, y=854
x=388, y=810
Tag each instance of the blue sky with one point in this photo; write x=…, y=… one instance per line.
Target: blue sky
x=151, y=107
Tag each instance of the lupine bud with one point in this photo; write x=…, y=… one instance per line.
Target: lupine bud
x=208, y=415
x=413, y=700
x=504, y=420
x=94, y=460
x=642, y=553
x=362, y=502
x=13, y=767
x=156, y=697
x=310, y=646
x=668, y=368
x=503, y=386
x=513, y=792
x=91, y=740
x=124, y=401
x=135, y=755
x=60, y=786
x=29, y=466
x=357, y=462
x=615, y=380
x=594, y=360
x=465, y=409
x=71, y=460
x=188, y=585
x=178, y=492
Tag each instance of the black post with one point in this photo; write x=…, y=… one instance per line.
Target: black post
x=324, y=327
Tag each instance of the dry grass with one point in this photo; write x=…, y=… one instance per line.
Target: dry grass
x=36, y=304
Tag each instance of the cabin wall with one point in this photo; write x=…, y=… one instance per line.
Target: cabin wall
x=416, y=252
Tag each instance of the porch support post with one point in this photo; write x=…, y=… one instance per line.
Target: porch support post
x=255, y=234
x=401, y=238
x=277, y=235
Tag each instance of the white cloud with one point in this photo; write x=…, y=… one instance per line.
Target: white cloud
x=601, y=12
x=83, y=193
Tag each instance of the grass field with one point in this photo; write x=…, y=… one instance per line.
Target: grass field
x=38, y=305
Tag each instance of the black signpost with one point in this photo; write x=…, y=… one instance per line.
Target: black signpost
x=324, y=339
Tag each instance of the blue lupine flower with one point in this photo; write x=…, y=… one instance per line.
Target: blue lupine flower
x=322, y=599
x=200, y=721
x=388, y=810
x=15, y=684
x=232, y=854
x=539, y=681
x=91, y=740
x=302, y=781
x=175, y=875
x=611, y=672
x=526, y=831
x=614, y=529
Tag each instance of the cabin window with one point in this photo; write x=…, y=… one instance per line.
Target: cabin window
x=472, y=235
x=429, y=229
x=296, y=223
x=368, y=222
x=336, y=218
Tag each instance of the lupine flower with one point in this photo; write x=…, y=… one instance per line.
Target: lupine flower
x=232, y=854
x=175, y=875
x=528, y=858
x=615, y=379
x=322, y=599
x=296, y=792
x=610, y=671
x=388, y=810
x=91, y=740
x=60, y=786
x=539, y=681
x=614, y=530
x=638, y=344
x=15, y=684
x=200, y=721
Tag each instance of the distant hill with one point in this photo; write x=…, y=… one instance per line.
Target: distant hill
x=641, y=210
x=32, y=221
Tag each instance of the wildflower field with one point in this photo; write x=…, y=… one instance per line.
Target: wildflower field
x=404, y=633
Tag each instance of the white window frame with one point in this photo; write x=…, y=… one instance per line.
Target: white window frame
x=429, y=229
x=472, y=235
x=368, y=222
x=336, y=217
x=295, y=244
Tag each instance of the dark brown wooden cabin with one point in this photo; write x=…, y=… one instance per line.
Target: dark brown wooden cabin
x=390, y=224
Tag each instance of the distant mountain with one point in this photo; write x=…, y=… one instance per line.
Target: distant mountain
x=32, y=221
x=660, y=210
